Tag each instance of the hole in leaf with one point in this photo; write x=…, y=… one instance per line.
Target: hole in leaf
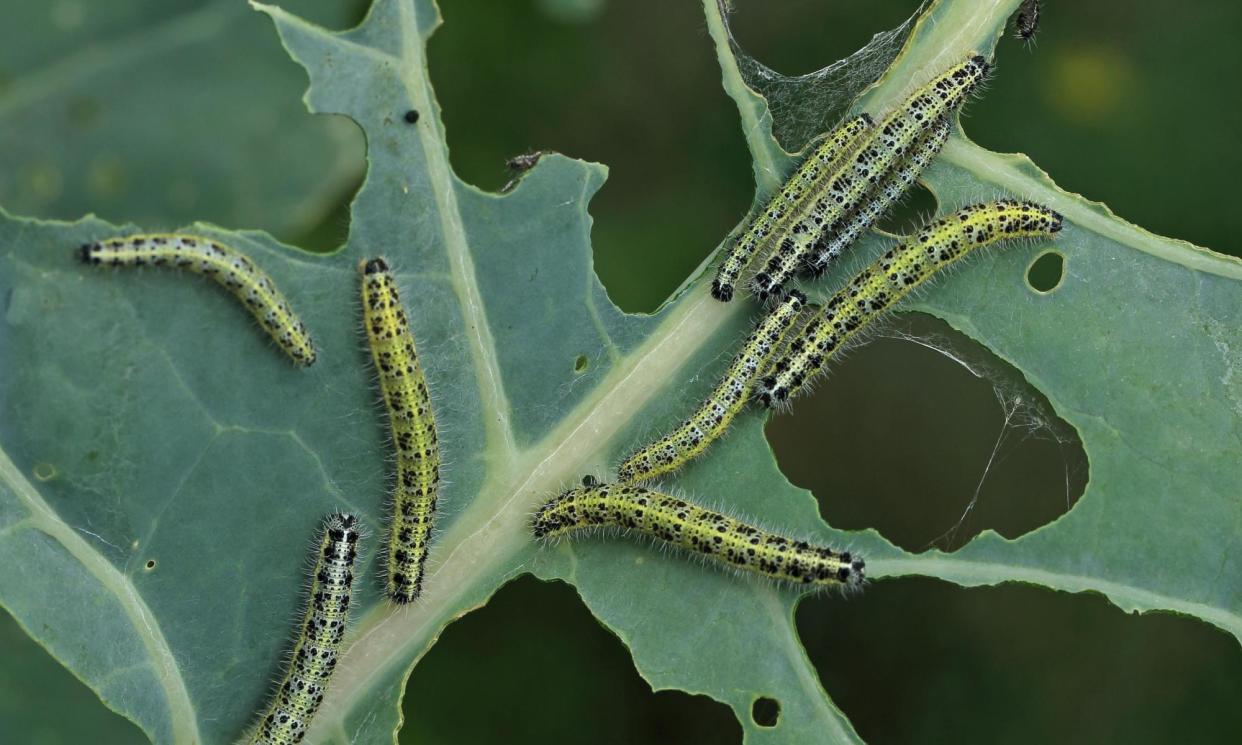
x=1046, y=272
x=765, y=712
x=36, y=713
x=533, y=665
x=932, y=439
x=1018, y=663
x=581, y=364
x=44, y=471
x=910, y=214
x=802, y=36
x=673, y=191
x=150, y=564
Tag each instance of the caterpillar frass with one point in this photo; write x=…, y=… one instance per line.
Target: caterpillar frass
x=854, y=180
x=1026, y=22
x=319, y=637
x=223, y=265
x=893, y=276
x=413, y=425
x=716, y=413
x=841, y=141
x=697, y=530
x=836, y=241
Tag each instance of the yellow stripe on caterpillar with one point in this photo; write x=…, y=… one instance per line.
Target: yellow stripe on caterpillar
x=893, y=276
x=802, y=185
x=225, y=266
x=894, y=187
x=716, y=413
x=697, y=530
x=413, y=424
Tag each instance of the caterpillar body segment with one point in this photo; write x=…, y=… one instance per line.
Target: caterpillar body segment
x=836, y=241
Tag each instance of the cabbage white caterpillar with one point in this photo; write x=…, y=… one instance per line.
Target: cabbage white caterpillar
x=697, y=530
x=858, y=176
x=413, y=426
x=893, y=276
x=221, y=264
x=319, y=637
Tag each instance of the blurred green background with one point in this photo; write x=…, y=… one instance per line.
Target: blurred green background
x=1121, y=101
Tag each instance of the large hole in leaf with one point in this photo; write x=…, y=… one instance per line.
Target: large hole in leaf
x=919, y=660
x=533, y=666
x=930, y=438
x=618, y=87
x=804, y=35
x=46, y=703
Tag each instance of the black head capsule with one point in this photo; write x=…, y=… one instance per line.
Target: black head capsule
x=375, y=266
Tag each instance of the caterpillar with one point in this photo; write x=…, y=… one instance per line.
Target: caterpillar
x=318, y=645
x=1026, y=22
x=785, y=203
x=223, y=265
x=852, y=182
x=893, y=276
x=834, y=243
x=413, y=426
x=697, y=530
x=716, y=413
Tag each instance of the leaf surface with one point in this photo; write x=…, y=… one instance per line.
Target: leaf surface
x=146, y=421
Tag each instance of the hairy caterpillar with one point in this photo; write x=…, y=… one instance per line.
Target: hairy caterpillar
x=841, y=141
x=854, y=180
x=319, y=637
x=893, y=276
x=413, y=427
x=697, y=530
x=223, y=265
x=897, y=183
x=714, y=416
x=1026, y=22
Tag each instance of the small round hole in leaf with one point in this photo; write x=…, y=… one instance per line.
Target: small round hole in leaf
x=765, y=711
x=1046, y=272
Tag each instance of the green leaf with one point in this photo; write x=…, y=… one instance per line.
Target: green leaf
x=165, y=111
x=146, y=421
